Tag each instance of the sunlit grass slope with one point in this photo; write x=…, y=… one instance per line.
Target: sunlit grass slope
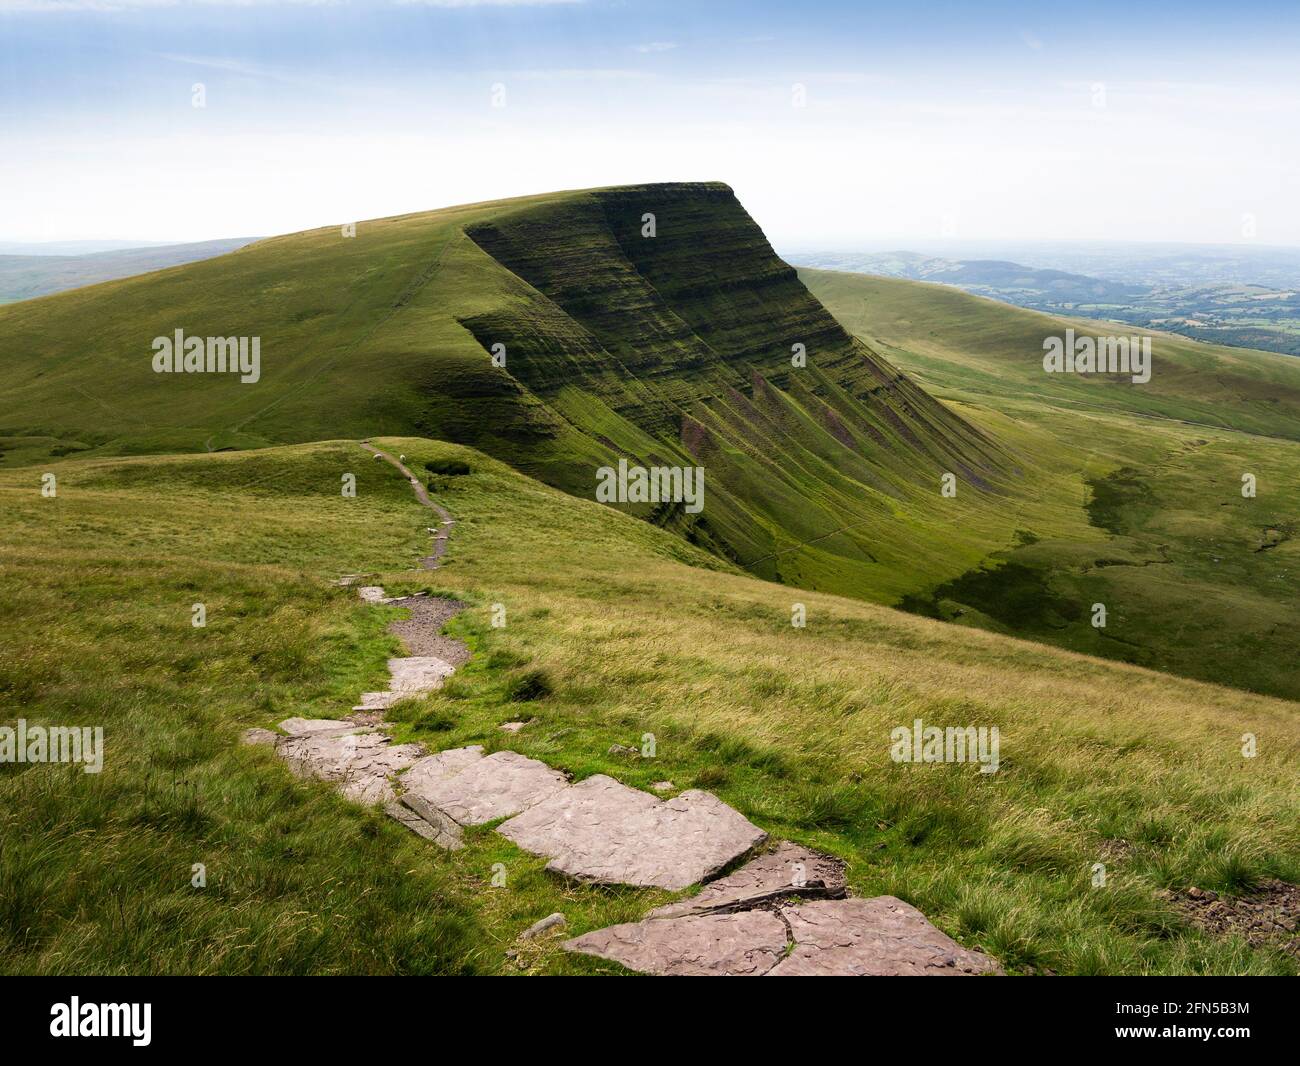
x=617, y=629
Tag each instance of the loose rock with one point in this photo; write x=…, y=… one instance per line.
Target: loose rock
x=550, y=922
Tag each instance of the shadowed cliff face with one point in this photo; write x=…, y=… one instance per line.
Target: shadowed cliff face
x=677, y=349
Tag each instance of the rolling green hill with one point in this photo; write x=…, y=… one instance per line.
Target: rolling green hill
x=680, y=349
x=674, y=350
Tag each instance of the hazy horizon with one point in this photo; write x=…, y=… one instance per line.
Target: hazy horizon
x=865, y=122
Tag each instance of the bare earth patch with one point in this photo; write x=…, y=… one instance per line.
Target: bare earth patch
x=1268, y=915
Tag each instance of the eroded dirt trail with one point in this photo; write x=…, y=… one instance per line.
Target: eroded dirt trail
x=445, y=522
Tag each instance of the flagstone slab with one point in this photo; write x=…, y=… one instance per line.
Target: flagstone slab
x=878, y=937
x=790, y=871
x=372, y=594
x=360, y=763
x=748, y=944
x=417, y=674
x=438, y=767
x=496, y=786
x=602, y=831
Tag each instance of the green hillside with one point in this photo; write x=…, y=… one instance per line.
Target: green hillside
x=1197, y=579
x=679, y=349
x=671, y=350
x=632, y=631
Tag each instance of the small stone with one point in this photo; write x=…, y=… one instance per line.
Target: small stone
x=551, y=921
x=1195, y=893
x=513, y=727
x=258, y=736
x=624, y=750
x=372, y=593
x=663, y=786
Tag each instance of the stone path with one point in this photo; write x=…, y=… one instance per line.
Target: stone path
x=786, y=911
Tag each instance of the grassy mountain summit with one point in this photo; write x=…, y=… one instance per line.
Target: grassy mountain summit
x=678, y=349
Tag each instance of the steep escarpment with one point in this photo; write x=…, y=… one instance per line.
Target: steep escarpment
x=659, y=320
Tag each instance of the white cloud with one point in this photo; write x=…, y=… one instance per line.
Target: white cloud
x=654, y=46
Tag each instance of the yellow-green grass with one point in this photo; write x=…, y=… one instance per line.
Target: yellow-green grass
x=618, y=629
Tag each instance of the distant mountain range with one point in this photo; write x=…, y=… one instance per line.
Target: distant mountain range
x=43, y=269
x=1249, y=300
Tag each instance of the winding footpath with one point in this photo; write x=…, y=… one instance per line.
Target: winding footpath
x=786, y=911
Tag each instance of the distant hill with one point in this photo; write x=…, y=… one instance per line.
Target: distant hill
x=25, y=276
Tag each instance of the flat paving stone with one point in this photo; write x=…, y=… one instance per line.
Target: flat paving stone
x=496, y=786
x=746, y=944
x=790, y=871
x=438, y=767
x=417, y=674
x=602, y=831
x=372, y=594
x=360, y=763
x=878, y=937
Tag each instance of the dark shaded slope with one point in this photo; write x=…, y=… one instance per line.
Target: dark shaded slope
x=677, y=349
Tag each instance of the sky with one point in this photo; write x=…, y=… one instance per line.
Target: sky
x=835, y=123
